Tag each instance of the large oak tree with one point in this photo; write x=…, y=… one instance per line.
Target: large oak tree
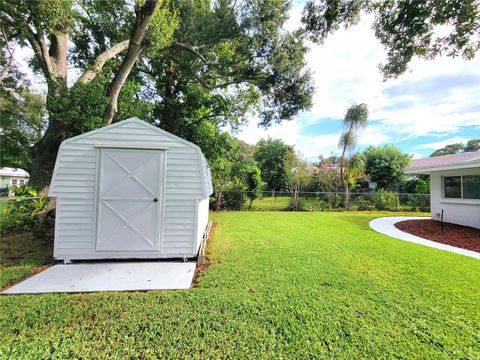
x=88, y=35
x=190, y=67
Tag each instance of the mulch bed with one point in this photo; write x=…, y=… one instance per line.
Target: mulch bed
x=456, y=235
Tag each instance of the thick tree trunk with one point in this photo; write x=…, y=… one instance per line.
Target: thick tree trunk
x=44, y=154
x=144, y=16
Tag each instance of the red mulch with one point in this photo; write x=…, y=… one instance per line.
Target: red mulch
x=456, y=235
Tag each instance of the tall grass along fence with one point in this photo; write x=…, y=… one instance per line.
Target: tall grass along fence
x=317, y=201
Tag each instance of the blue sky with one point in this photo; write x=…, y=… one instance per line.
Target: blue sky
x=433, y=104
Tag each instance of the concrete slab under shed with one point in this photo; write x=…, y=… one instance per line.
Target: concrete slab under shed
x=109, y=276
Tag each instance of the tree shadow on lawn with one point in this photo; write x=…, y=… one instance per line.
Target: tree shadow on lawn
x=23, y=254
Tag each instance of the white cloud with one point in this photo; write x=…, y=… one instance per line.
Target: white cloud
x=310, y=146
x=345, y=71
x=373, y=135
x=440, y=144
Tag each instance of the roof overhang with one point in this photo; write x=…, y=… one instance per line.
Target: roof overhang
x=458, y=166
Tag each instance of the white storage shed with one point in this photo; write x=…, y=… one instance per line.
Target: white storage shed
x=129, y=190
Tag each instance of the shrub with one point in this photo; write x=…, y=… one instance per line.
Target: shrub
x=15, y=221
x=386, y=200
x=363, y=204
x=314, y=204
x=234, y=195
x=233, y=200
x=19, y=214
x=24, y=191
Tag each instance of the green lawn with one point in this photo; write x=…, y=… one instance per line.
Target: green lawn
x=282, y=285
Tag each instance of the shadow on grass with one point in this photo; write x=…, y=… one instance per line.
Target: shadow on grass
x=22, y=254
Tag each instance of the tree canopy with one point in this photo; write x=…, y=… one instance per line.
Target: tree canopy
x=406, y=28
x=385, y=165
x=183, y=65
x=470, y=146
x=273, y=157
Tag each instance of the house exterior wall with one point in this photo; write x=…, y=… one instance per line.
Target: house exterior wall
x=458, y=211
x=75, y=180
x=6, y=182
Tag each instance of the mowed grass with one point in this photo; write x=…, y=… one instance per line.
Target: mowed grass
x=281, y=285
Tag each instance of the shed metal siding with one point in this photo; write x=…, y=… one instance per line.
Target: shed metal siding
x=74, y=184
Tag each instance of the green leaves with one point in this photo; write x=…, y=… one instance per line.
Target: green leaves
x=162, y=27
x=22, y=119
x=407, y=28
x=385, y=166
x=321, y=18
x=240, y=57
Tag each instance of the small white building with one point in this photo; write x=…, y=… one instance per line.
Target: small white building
x=11, y=177
x=454, y=186
x=129, y=190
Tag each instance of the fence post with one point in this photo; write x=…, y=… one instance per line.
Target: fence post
x=274, y=200
x=217, y=201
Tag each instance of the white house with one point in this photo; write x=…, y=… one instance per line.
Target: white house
x=129, y=190
x=454, y=186
x=11, y=177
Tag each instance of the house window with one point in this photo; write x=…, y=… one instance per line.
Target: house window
x=22, y=182
x=453, y=187
x=14, y=181
x=471, y=187
x=461, y=187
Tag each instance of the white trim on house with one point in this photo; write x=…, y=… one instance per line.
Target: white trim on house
x=429, y=169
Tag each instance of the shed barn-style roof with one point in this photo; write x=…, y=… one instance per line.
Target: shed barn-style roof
x=445, y=162
x=205, y=169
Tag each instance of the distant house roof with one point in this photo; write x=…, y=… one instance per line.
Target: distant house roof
x=445, y=162
x=6, y=171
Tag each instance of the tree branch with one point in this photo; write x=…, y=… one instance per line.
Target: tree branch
x=143, y=19
x=59, y=49
x=194, y=51
x=43, y=52
x=9, y=63
x=100, y=60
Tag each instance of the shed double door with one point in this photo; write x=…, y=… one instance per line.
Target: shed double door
x=130, y=200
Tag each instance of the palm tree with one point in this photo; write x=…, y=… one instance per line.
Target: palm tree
x=351, y=164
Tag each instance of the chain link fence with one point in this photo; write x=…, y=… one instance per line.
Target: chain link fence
x=317, y=201
x=23, y=212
